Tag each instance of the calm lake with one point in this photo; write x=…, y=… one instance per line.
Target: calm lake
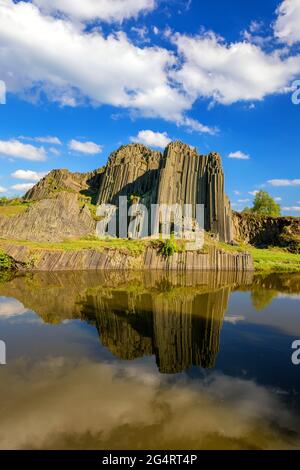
x=150, y=361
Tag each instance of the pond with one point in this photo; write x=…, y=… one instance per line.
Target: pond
x=150, y=361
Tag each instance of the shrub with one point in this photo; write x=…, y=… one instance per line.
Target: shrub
x=5, y=262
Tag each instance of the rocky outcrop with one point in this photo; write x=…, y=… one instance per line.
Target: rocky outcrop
x=113, y=259
x=178, y=176
x=50, y=220
x=131, y=170
x=63, y=180
x=264, y=231
x=189, y=178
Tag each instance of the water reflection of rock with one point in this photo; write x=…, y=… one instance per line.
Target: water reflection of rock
x=176, y=317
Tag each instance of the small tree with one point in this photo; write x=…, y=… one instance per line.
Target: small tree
x=264, y=204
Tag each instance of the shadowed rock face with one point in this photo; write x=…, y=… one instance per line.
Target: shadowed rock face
x=177, y=318
x=265, y=231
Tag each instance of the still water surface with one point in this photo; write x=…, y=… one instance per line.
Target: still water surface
x=149, y=361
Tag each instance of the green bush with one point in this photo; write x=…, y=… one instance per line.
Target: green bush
x=169, y=247
x=5, y=262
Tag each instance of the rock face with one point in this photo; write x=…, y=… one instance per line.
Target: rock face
x=265, y=231
x=63, y=180
x=50, y=220
x=113, y=259
x=178, y=176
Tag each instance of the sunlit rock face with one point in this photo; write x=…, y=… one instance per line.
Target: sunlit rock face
x=178, y=176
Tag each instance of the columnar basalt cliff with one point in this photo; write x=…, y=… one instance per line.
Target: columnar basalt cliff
x=178, y=176
x=62, y=206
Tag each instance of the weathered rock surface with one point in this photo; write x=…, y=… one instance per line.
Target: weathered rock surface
x=112, y=259
x=50, y=220
x=178, y=176
x=267, y=231
x=63, y=180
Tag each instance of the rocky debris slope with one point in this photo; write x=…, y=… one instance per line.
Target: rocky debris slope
x=63, y=180
x=51, y=220
x=264, y=231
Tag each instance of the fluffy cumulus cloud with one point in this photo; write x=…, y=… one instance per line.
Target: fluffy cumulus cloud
x=227, y=73
x=154, y=139
x=45, y=51
x=16, y=149
x=284, y=182
x=132, y=77
x=105, y=10
x=239, y=155
x=2, y=190
x=89, y=148
x=22, y=187
x=27, y=175
x=287, y=26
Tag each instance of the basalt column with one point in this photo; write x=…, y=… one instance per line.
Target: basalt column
x=189, y=178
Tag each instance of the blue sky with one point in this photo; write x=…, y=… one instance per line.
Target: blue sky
x=95, y=74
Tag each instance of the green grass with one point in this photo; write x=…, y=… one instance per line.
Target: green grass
x=11, y=210
x=275, y=260
x=265, y=260
x=134, y=247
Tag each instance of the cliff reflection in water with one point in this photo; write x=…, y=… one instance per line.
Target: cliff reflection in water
x=176, y=317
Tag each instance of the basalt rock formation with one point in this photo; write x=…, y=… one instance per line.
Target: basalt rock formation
x=64, y=181
x=50, y=220
x=178, y=176
x=64, y=203
x=265, y=231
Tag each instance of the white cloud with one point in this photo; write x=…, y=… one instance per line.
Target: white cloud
x=253, y=193
x=133, y=77
x=287, y=26
x=45, y=140
x=243, y=201
x=291, y=209
x=28, y=175
x=227, y=73
x=197, y=126
x=54, y=151
x=278, y=199
x=16, y=149
x=155, y=139
x=2, y=190
x=284, y=182
x=48, y=140
x=11, y=308
x=105, y=10
x=22, y=186
x=237, y=193
x=89, y=148
x=239, y=155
